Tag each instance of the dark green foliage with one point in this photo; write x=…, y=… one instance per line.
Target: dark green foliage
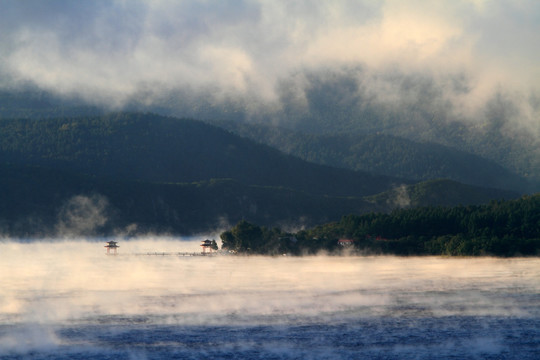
x=31, y=102
x=179, y=175
x=153, y=148
x=247, y=238
x=441, y=192
x=501, y=228
x=33, y=197
x=386, y=154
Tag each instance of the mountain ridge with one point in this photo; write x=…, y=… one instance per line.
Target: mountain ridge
x=384, y=155
x=47, y=202
x=149, y=147
x=174, y=175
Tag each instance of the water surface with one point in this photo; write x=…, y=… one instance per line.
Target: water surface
x=68, y=300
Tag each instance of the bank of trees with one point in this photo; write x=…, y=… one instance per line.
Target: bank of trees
x=501, y=228
x=247, y=238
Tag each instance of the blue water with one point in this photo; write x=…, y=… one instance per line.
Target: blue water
x=454, y=337
x=58, y=302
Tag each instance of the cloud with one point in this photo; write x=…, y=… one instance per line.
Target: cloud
x=241, y=52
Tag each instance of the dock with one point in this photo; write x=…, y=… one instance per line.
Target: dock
x=209, y=248
x=156, y=253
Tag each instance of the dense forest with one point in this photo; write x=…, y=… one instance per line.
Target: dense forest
x=385, y=154
x=43, y=202
x=32, y=103
x=182, y=176
x=148, y=147
x=368, y=139
x=500, y=228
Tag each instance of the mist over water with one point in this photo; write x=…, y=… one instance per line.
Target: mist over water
x=67, y=299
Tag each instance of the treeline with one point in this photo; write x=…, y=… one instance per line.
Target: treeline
x=360, y=136
x=184, y=176
x=148, y=147
x=385, y=154
x=501, y=228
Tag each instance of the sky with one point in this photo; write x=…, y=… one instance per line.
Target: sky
x=468, y=52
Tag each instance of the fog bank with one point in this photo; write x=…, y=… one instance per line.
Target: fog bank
x=66, y=298
x=457, y=55
x=47, y=282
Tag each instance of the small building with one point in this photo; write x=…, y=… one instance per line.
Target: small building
x=345, y=242
x=207, y=246
x=112, y=247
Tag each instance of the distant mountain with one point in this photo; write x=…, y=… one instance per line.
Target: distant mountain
x=375, y=142
x=41, y=201
x=385, y=155
x=438, y=192
x=149, y=147
x=101, y=174
x=30, y=102
x=45, y=202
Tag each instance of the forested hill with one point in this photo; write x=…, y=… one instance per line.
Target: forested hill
x=385, y=154
x=40, y=201
x=148, y=147
x=43, y=202
x=437, y=192
x=375, y=149
x=181, y=176
x=30, y=102
x=500, y=228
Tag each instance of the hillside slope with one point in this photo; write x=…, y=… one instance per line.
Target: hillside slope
x=386, y=155
x=41, y=202
x=126, y=173
x=148, y=147
x=396, y=141
x=438, y=192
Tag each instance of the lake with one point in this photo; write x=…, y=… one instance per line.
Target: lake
x=66, y=299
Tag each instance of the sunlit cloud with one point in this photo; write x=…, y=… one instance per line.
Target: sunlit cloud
x=112, y=52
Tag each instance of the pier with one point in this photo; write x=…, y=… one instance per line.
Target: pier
x=157, y=253
x=209, y=248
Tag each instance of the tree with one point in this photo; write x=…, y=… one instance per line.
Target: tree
x=228, y=241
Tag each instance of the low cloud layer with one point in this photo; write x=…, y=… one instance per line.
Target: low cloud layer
x=71, y=284
x=55, y=281
x=245, y=51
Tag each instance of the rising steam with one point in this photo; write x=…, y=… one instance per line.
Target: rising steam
x=82, y=215
x=72, y=284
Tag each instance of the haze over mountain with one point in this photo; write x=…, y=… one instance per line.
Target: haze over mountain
x=130, y=172
x=153, y=148
x=385, y=155
x=412, y=91
x=458, y=73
